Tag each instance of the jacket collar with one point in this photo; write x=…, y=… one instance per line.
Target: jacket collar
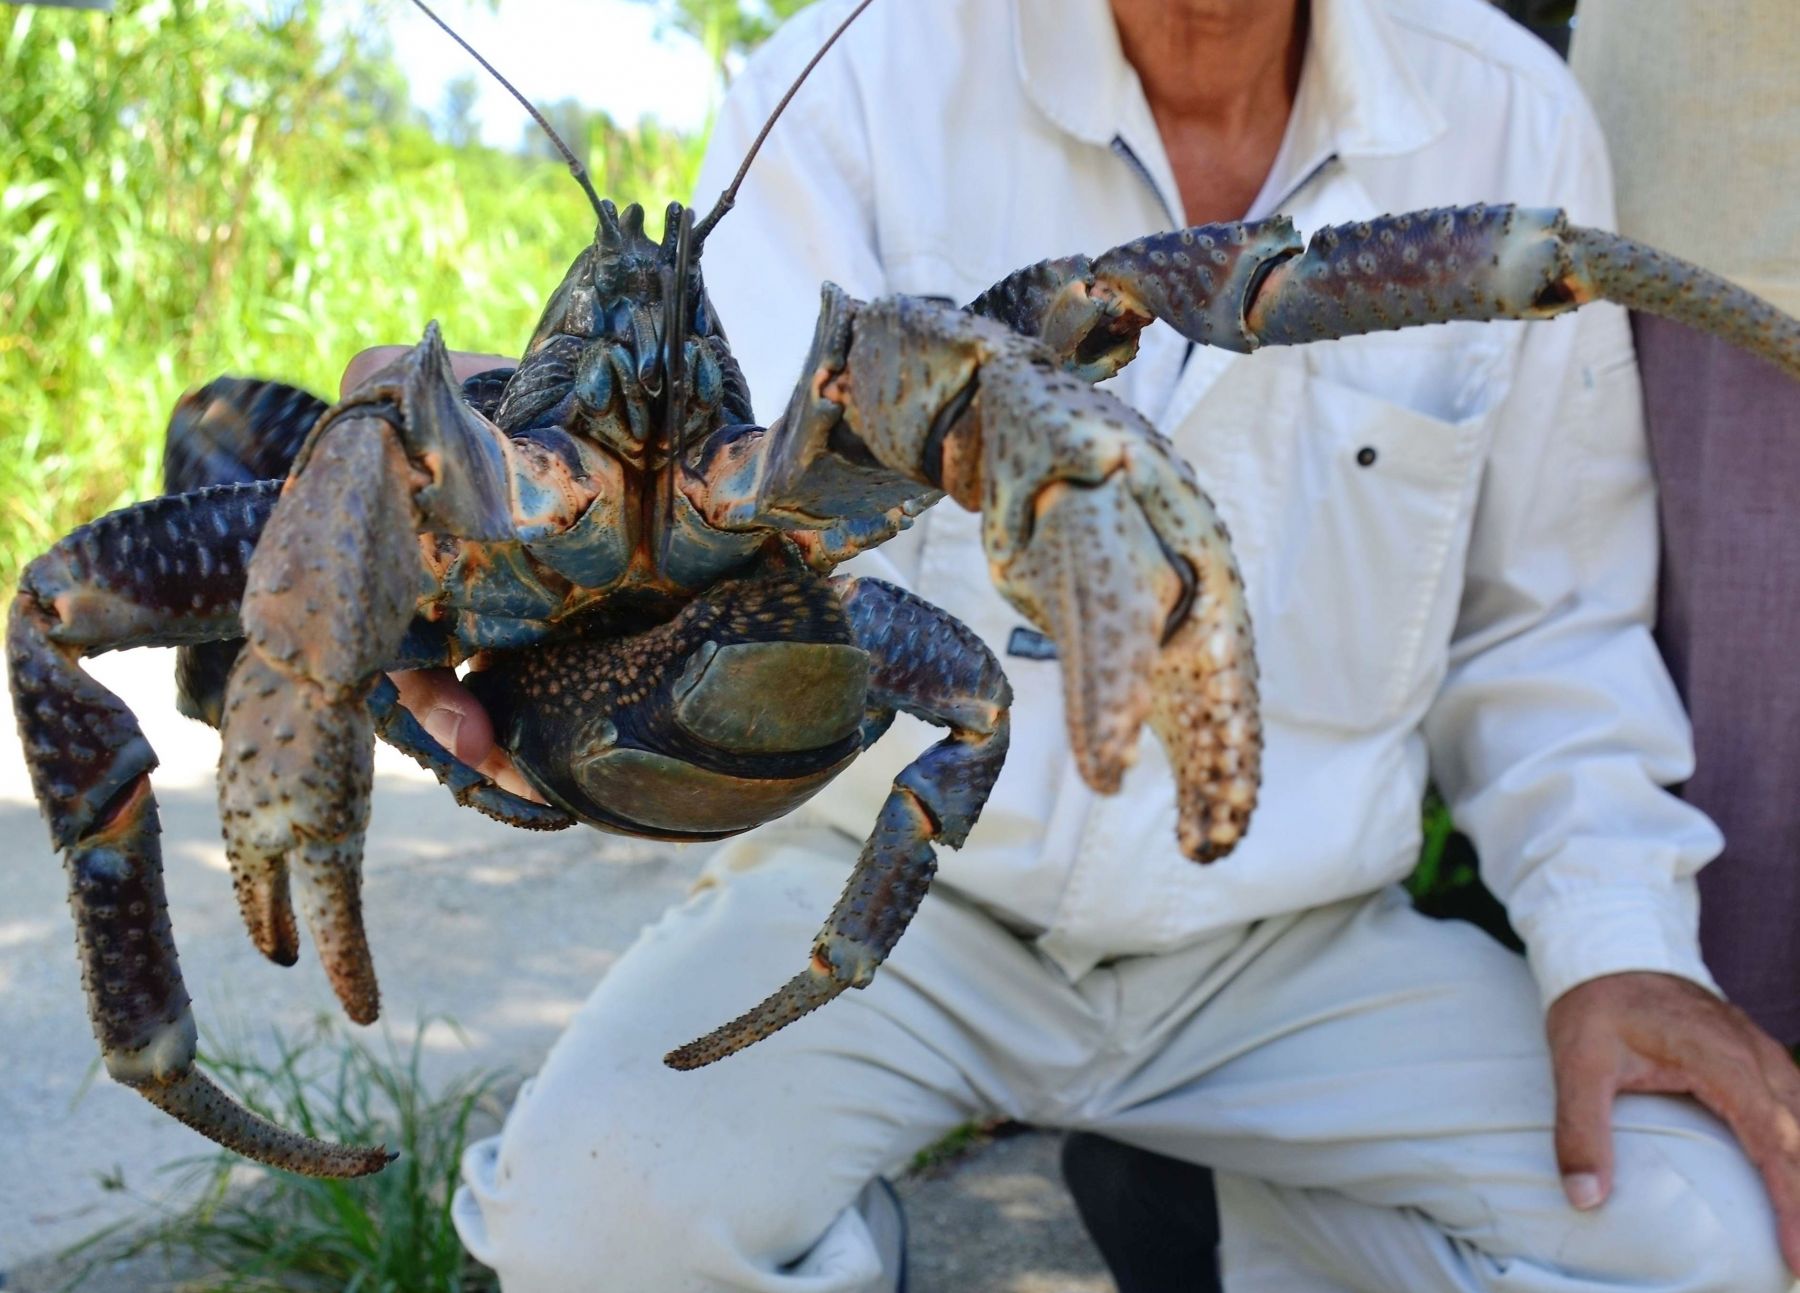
x=1364, y=99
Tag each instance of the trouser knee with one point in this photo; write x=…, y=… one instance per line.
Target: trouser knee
x=1695, y=1215
x=588, y=1208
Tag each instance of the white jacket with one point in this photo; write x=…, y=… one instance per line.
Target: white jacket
x=1473, y=604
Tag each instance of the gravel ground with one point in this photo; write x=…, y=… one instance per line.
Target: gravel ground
x=502, y=931
x=998, y=1220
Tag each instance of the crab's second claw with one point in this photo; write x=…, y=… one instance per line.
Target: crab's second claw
x=329, y=593
x=294, y=797
x=1093, y=577
x=1094, y=528
x=1097, y=531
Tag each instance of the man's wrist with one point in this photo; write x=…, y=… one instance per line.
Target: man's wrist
x=1580, y=937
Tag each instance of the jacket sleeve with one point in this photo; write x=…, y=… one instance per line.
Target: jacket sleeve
x=1557, y=725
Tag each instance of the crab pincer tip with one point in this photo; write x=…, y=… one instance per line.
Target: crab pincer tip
x=801, y=995
x=193, y=1098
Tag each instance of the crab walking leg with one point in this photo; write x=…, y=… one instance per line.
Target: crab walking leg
x=232, y=431
x=1246, y=285
x=1089, y=312
x=1497, y=263
x=925, y=663
x=166, y=572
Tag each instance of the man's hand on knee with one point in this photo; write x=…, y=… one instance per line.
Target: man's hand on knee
x=1657, y=1033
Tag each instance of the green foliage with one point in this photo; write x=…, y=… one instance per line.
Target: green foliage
x=1446, y=882
x=726, y=29
x=954, y=1145
x=279, y=1233
x=190, y=187
x=1434, y=875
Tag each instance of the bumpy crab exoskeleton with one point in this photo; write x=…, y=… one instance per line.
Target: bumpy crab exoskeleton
x=411, y=488
x=1094, y=529
x=319, y=576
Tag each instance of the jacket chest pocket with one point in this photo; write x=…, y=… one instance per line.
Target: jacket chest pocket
x=1353, y=527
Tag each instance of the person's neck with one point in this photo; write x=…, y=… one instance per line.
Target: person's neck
x=1220, y=77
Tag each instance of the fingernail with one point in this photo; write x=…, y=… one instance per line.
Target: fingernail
x=443, y=723
x=1583, y=1189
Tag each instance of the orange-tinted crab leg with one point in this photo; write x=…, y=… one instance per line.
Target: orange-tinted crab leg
x=168, y=572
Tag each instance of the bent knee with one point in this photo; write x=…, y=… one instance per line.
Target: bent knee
x=652, y=1199
x=1692, y=1214
x=555, y=1199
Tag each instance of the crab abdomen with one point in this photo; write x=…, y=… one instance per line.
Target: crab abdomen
x=729, y=715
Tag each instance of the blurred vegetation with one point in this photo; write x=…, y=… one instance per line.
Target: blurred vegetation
x=1446, y=882
x=190, y=187
x=724, y=28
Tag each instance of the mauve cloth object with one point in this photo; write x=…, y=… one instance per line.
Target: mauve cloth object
x=1725, y=432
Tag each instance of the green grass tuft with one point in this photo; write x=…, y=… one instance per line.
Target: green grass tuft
x=254, y=1230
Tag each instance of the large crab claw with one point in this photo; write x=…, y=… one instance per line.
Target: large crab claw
x=1095, y=529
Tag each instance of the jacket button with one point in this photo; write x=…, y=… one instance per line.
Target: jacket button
x=1365, y=456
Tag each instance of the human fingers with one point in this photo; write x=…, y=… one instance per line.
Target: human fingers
x=499, y=768
x=1784, y=1080
x=449, y=712
x=1586, y=1066
x=457, y=721
x=1748, y=1080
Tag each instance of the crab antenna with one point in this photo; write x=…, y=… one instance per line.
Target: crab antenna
x=729, y=196
x=575, y=167
x=675, y=376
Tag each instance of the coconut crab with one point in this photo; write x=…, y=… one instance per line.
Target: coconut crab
x=648, y=577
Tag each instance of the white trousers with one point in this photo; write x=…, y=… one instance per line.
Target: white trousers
x=1372, y=1085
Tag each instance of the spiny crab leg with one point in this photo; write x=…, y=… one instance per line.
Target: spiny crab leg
x=1094, y=528
x=924, y=663
x=1497, y=263
x=319, y=575
x=166, y=572
x=1245, y=285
